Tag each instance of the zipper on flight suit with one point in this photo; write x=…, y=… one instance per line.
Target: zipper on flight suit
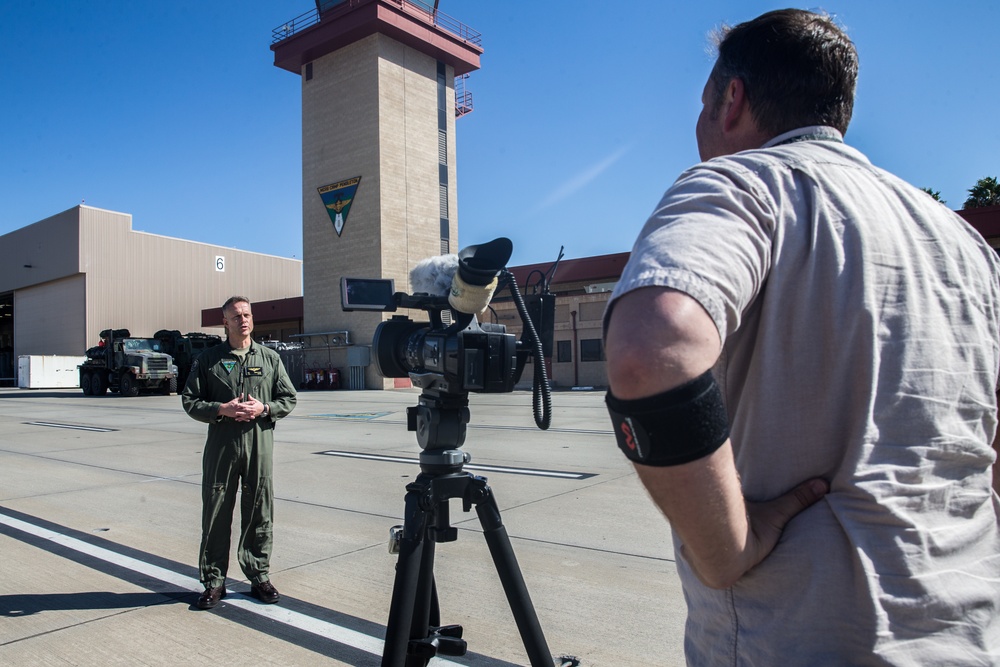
x=241, y=384
x=244, y=383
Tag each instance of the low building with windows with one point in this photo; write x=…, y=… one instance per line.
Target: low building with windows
x=581, y=289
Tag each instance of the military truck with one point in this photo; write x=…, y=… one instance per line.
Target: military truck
x=127, y=365
x=185, y=349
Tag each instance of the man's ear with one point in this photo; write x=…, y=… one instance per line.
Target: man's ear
x=735, y=105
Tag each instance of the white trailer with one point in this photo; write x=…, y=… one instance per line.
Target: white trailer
x=38, y=371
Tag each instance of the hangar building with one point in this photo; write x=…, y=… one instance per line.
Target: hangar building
x=66, y=278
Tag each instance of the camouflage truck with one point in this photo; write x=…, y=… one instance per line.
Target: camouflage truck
x=185, y=349
x=127, y=365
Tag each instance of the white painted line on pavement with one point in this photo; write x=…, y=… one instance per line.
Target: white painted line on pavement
x=468, y=466
x=294, y=619
x=75, y=427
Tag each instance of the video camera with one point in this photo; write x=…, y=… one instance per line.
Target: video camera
x=462, y=356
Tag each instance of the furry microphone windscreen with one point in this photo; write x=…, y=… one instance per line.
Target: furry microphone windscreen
x=434, y=275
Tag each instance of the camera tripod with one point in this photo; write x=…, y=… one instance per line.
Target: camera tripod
x=413, y=632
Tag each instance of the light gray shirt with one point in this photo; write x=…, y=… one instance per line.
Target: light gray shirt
x=860, y=322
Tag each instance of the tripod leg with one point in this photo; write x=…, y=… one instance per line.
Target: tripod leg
x=406, y=583
x=435, y=610
x=511, y=578
x=424, y=603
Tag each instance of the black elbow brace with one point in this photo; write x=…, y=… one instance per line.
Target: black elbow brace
x=680, y=425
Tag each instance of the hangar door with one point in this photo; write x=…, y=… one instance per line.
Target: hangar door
x=51, y=318
x=7, y=364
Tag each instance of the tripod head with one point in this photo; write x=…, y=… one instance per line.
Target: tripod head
x=439, y=420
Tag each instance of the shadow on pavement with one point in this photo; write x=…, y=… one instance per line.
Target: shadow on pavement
x=13, y=606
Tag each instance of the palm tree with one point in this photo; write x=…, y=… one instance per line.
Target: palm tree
x=935, y=195
x=986, y=192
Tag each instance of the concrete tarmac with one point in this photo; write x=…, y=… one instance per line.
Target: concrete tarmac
x=100, y=506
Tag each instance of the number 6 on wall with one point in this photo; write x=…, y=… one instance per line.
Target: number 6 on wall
x=220, y=263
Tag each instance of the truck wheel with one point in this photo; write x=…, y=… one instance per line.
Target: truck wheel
x=98, y=385
x=173, y=386
x=128, y=386
x=86, y=383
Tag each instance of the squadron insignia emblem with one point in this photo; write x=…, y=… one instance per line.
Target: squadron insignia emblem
x=337, y=197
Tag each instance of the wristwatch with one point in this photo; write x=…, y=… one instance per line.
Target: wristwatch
x=267, y=410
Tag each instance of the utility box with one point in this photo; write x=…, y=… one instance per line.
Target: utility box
x=36, y=371
x=358, y=358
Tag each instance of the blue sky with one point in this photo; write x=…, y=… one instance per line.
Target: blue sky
x=584, y=113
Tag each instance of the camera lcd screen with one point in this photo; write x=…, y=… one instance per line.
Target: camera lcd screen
x=367, y=294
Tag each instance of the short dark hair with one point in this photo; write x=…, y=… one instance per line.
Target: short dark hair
x=233, y=300
x=798, y=68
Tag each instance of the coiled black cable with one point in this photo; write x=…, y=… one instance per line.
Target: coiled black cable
x=541, y=395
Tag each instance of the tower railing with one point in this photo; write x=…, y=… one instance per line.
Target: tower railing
x=331, y=8
x=463, y=98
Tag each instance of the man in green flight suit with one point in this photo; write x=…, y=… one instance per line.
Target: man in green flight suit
x=240, y=389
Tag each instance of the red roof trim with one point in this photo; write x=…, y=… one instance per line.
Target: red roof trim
x=985, y=220
x=264, y=312
x=367, y=18
x=600, y=268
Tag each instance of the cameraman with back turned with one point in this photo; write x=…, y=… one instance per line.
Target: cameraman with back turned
x=803, y=352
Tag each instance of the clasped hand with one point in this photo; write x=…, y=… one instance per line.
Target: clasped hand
x=242, y=410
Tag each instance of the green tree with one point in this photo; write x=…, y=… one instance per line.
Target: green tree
x=986, y=192
x=935, y=195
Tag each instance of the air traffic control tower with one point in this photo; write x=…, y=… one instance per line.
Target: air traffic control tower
x=378, y=156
